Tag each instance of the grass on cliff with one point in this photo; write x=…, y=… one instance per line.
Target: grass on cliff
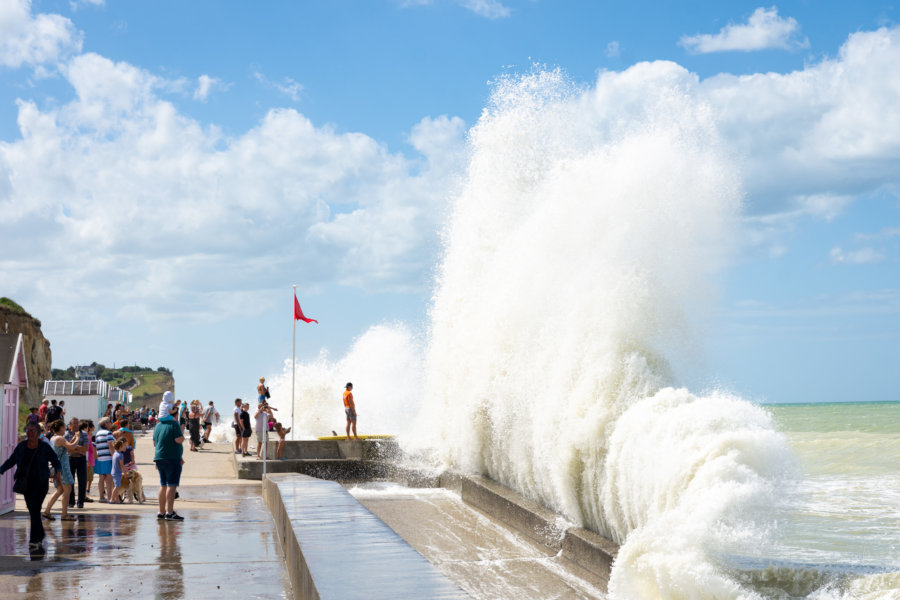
x=13, y=305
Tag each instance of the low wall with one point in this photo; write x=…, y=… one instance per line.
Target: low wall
x=325, y=459
x=336, y=549
x=590, y=553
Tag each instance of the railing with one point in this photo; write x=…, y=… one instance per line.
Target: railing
x=94, y=387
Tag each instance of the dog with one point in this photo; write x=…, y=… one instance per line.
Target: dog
x=133, y=486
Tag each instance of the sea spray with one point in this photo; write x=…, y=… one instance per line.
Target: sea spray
x=384, y=365
x=575, y=284
x=577, y=274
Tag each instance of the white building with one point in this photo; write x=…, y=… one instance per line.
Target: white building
x=85, y=399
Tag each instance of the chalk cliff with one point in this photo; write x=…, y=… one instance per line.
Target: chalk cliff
x=37, y=347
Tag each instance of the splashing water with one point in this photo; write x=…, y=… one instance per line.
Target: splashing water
x=575, y=284
x=384, y=364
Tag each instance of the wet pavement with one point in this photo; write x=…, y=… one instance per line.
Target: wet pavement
x=225, y=548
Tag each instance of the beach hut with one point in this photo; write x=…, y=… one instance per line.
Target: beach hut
x=13, y=378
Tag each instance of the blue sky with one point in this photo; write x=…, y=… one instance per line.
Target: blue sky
x=169, y=169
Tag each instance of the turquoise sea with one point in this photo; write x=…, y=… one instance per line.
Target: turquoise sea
x=837, y=533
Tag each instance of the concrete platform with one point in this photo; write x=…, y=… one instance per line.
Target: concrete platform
x=336, y=549
x=325, y=459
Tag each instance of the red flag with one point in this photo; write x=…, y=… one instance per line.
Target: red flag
x=298, y=312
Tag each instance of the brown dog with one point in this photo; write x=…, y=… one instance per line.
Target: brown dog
x=133, y=486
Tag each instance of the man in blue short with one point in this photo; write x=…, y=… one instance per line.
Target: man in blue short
x=168, y=439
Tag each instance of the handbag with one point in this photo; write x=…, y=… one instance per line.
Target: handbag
x=267, y=393
x=21, y=480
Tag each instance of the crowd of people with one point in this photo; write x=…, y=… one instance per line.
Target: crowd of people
x=60, y=452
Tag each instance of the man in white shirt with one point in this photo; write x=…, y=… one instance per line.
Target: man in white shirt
x=263, y=410
x=238, y=425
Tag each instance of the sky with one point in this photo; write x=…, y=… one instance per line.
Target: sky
x=169, y=170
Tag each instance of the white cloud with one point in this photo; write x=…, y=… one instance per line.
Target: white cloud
x=490, y=9
x=286, y=86
x=612, y=49
x=764, y=29
x=855, y=257
x=27, y=39
x=76, y=4
x=119, y=186
x=205, y=85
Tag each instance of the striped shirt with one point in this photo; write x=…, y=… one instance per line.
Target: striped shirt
x=105, y=440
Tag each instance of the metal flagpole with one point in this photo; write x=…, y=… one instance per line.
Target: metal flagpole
x=293, y=356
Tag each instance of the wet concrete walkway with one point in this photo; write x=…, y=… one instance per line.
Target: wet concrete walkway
x=481, y=555
x=225, y=548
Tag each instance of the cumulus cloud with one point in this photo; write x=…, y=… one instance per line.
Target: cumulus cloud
x=27, y=39
x=860, y=256
x=764, y=29
x=117, y=187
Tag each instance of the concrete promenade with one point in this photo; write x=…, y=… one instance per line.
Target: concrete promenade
x=225, y=548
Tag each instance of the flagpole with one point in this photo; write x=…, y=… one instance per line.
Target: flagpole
x=293, y=359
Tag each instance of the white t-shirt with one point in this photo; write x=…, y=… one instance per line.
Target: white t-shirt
x=262, y=420
x=237, y=415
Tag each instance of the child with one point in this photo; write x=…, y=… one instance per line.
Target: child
x=132, y=479
x=282, y=433
x=167, y=407
x=118, y=468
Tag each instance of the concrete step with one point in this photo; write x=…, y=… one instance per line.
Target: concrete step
x=338, y=469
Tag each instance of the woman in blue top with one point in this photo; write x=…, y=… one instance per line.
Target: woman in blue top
x=30, y=458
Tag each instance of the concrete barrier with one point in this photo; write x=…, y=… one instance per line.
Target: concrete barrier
x=326, y=459
x=591, y=553
x=519, y=513
x=336, y=549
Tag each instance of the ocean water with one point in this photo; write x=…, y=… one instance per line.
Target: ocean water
x=838, y=525
x=570, y=303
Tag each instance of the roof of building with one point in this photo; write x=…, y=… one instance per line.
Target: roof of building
x=10, y=349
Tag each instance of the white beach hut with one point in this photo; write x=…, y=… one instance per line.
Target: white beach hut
x=13, y=378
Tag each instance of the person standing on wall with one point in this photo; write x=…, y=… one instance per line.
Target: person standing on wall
x=262, y=391
x=30, y=457
x=350, y=410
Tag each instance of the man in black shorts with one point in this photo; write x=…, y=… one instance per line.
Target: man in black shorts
x=208, y=415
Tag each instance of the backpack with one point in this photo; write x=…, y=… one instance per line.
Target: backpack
x=54, y=413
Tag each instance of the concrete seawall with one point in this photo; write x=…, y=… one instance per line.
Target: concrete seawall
x=335, y=549
x=589, y=554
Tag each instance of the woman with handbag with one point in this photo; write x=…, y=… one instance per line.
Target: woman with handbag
x=30, y=458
